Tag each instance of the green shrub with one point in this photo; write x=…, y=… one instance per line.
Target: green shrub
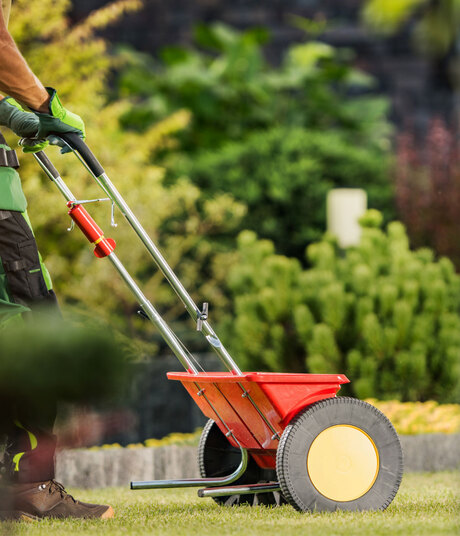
x=386, y=316
x=277, y=138
x=231, y=90
x=283, y=175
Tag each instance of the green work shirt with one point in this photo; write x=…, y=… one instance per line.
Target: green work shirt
x=11, y=195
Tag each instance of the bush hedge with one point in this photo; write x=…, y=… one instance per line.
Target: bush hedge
x=283, y=175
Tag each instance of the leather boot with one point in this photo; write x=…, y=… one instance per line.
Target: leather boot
x=15, y=515
x=7, y=511
x=50, y=499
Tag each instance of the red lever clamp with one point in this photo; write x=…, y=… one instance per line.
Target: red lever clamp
x=104, y=246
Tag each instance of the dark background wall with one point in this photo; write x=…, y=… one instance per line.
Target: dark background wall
x=151, y=406
x=418, y=88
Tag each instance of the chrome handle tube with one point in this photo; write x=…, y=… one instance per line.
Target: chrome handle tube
x=90, y=162
x=147, y=307
x=107, y=186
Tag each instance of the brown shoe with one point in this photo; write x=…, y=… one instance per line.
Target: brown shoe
x=16, y=515
x=50, y=499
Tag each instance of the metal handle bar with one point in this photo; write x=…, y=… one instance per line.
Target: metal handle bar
x=77, y=144
x=197, y=482
x=173, y=342
x=90, y=161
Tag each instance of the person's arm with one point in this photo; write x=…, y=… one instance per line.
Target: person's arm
x=16, y=77
x=20, y=84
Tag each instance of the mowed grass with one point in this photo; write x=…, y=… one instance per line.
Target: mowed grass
x=426, y=504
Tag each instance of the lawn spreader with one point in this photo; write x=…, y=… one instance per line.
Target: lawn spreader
x=271, y=438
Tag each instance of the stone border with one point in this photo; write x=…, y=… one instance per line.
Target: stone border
x=117, y=467
x=431, y=452
x=84, y=468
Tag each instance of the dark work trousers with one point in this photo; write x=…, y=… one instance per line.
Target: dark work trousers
x=30, y=442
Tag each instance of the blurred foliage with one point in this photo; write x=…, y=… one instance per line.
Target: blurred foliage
x=283, y=176
x=276, y=138
x=231, y=90
x=385, y=315
x=428, y=188
x=185, y=224
x=408, y=418
x=435, y=23
x=39, y=366
x=429, y=417
x=175, y=438
x=69, y=57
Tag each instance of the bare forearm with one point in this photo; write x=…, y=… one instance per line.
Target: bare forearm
x=16, y=77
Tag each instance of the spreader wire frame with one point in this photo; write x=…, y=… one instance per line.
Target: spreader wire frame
x=271, y=438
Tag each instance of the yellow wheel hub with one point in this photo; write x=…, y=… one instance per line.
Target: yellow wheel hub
x=343, y=463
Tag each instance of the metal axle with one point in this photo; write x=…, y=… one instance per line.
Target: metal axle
x=249, y=489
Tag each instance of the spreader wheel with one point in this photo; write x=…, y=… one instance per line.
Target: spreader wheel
x=217, y=457
x=339, y=454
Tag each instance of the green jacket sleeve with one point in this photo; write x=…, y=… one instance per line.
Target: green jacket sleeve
x=11, y=195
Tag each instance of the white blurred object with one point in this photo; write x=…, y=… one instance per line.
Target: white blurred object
x=344, y=208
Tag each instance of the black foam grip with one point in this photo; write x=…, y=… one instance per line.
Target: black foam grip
x=47, y=163
x=80, y=146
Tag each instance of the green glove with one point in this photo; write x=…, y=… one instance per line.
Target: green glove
x=58, y=120
x=34, y=145
x=13, y=116
x=22, y=123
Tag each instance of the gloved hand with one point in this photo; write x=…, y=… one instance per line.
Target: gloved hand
x=59, y=120
x=22, y=123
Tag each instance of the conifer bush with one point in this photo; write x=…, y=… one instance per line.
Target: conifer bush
x=386, y=316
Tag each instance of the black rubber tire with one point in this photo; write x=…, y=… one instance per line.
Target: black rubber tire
x=297, y=438
x=217, y=457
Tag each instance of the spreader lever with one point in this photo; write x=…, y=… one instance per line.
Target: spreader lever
x=143, y=314
x=202, y=316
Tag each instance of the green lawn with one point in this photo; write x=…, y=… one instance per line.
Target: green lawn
x=426, y=504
